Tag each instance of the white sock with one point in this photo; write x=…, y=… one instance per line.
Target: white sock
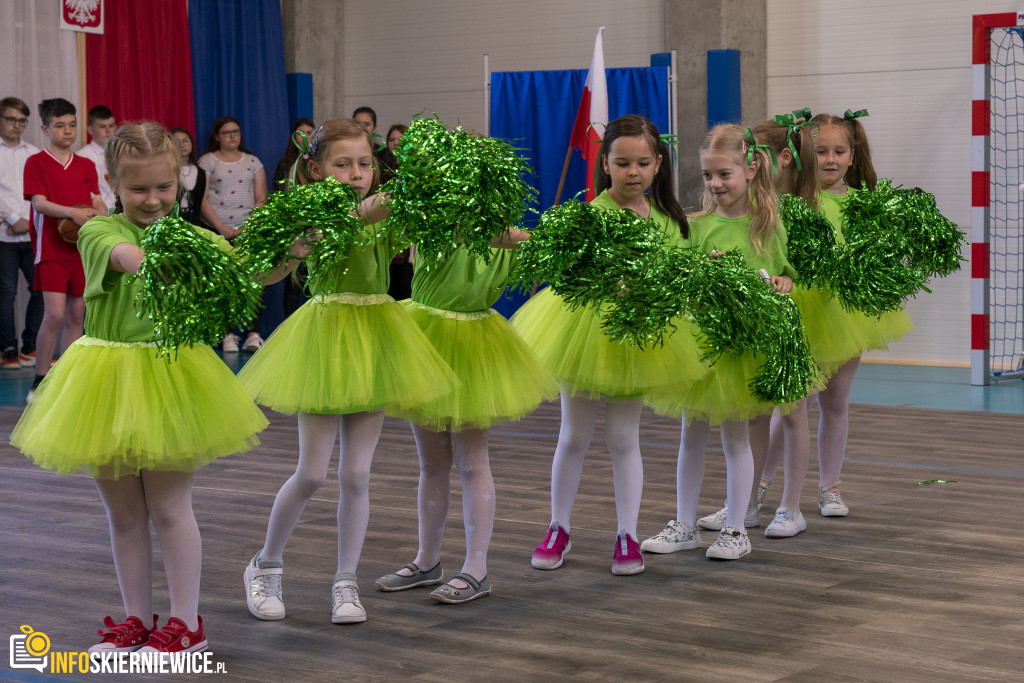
x=574, y=436
x=622, y=436
x=317, y=434
x=690, y=469
x=360, y=433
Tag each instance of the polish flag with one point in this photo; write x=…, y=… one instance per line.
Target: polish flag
x=593, y=110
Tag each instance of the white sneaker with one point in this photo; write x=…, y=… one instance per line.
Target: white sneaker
x=252, y=343
x=675, y=536
x=831, y=504
x=230, y=343
x=787, y=522
x=716, y=521
x=731, y=544
x=263, y=588
x=347, y=609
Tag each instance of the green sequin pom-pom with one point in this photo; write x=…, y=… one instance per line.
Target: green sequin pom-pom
x=192, y=289
x=322, y=211
x=455, y=189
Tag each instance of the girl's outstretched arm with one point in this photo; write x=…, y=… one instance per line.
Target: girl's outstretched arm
x=511, y=239
x=126, y=258
x=298, y=251
x=374, y=208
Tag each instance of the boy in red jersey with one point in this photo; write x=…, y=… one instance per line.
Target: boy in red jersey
x=56, y=182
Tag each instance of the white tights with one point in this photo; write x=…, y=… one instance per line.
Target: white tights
x=166, y=499
x=468, y=451
x=622, y=437
x=739, y=464
x=317, y=433
x=782, y=438
x=833, y=428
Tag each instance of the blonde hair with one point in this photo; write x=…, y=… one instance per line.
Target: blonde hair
x=802, y=183
x=332, y=131
x=730, y=141
x=136, y=142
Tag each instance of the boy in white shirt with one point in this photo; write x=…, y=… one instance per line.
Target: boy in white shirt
x=101, y=126
x=15, y=247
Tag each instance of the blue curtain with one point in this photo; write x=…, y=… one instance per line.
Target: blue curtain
x=535, y=111
x=238, y=70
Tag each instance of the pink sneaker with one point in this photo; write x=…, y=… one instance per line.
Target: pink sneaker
x=127, y=636
x=627, y=559
x=551, y=552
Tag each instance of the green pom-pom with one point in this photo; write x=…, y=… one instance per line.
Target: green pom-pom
x=588, y=254
x=735, y=311
x=324, y=207
x=455, y=189
x=192, y=290
x=896, y=241
x=811, y=241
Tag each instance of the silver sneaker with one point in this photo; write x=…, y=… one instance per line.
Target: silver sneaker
x=346, y=608
x=263, y=588
x=675, y=536
x=831, y=504
x=787, y=522
x=731, y=544
x=716, y=521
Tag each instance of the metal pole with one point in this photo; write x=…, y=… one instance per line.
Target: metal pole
x=487, y=95
x=673, y=108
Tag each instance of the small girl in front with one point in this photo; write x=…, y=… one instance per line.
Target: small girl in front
x=339, y=361
x=739, y=211
x=140, y=425
x=502, y=379
x=635, y=174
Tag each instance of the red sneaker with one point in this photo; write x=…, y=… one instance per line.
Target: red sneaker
x=627, y=559
x=127, y=636
x=551, y=552
x=175, y=638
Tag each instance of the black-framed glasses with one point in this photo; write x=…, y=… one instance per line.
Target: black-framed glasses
x=15, y=121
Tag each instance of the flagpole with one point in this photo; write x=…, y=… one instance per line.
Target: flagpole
x=565, y=169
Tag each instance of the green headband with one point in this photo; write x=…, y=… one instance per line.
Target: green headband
x=789, y=121
x=754, y=147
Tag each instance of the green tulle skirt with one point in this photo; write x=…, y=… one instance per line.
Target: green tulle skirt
x=837, y=335
x=572, y=346
x=347, y=353
x=110, y=409
x=502, y=378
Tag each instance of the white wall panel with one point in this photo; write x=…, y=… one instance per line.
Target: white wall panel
x=403, y=56
x=909, y=63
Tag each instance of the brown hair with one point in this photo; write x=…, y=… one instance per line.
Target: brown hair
x=14, y=103
x=730, y=141
x=137, y=141
x=662, y=192
x=332, y=131
x=861, y=169
x=802, y=183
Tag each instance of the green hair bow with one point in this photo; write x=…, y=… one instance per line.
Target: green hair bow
x=754, y=147
x=790, y=122
x=850, y=114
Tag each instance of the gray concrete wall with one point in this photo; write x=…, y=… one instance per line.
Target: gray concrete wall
x=314, y=32
x=692, y=27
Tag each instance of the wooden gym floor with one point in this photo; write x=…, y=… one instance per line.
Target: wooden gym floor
x=919, y=583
